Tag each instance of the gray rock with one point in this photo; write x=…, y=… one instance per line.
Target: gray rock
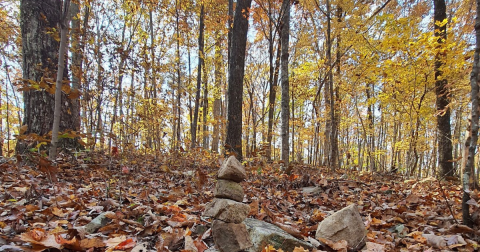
x=312, y=190
x=345, y=224
x=229, y=190
x=230, y=237
x=263, y=234
x=232, y=170
x=227, y=210
x=96, y=223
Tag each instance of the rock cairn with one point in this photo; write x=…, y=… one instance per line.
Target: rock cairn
x=229, y=232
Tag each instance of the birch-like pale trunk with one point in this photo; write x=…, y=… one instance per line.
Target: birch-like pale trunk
x=58, y=85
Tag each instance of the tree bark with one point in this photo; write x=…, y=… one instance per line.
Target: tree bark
x=471, y=142
x=40, y=58
x=176, y=137
x=217, y=102
x=334, y=152
x=271, y=101
x=77, y=47
x=205, y=108
x=58, y=85
x=199, y=76
x=152, y=52
x=329, y=92
x=230, y=29
x=443, y=119
x=371, y=130
x=235, y=78
x=285, y=35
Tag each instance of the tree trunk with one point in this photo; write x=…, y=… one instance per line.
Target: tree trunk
x=285, y=35
x=371, y=130
x=40, y=58
x=58, y=85
x=235, y=78
x=471, y=142
x=217, y=102
x=77, y=48
x=413, y=152
x=176, y=137
x=1, y=124
x=329, y=93
x=205, y=108
x=271, y=100
x=334, y=152
x=100, y=83
x=442, y=92
x=153, y=68
x=199, y=76
x=230, y=29
x=292, y=97
x=457, y=136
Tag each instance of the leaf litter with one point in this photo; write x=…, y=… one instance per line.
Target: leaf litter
x=155, y=203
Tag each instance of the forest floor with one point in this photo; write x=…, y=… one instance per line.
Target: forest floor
x=157, y=202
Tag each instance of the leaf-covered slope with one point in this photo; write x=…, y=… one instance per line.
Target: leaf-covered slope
x=155, y=203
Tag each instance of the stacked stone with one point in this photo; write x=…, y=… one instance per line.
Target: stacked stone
x=229, y=232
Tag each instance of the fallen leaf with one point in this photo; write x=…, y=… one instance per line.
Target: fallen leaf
x=41, y=238
x=189, y=244
x=435, y=241
x=128, y=243
x=300, y=249
x=374, y=247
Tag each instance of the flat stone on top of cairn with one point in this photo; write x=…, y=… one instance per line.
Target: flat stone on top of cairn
x=232, y=170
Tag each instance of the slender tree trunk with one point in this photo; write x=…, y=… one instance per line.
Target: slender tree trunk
x=292, y=97
x=442, y=92
x=254, y=127
x=335, y=114
x=249, y=115
x=205, y=108
x=176, y=137
x=174, y=113
x=217, y=102
x=393, y=163
x=329, y=93
x=190, y=108
x=1, y=123
x=77, y=48
x=58, y=85
x=457, y=135
x=100, y=87
x=272, y=79
x=153, y=77
x=371, y=131
x=414, y=143
x=271, y=100
x=235, y=78
x=199, y=76
x=285, y=35
x=471, y=143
